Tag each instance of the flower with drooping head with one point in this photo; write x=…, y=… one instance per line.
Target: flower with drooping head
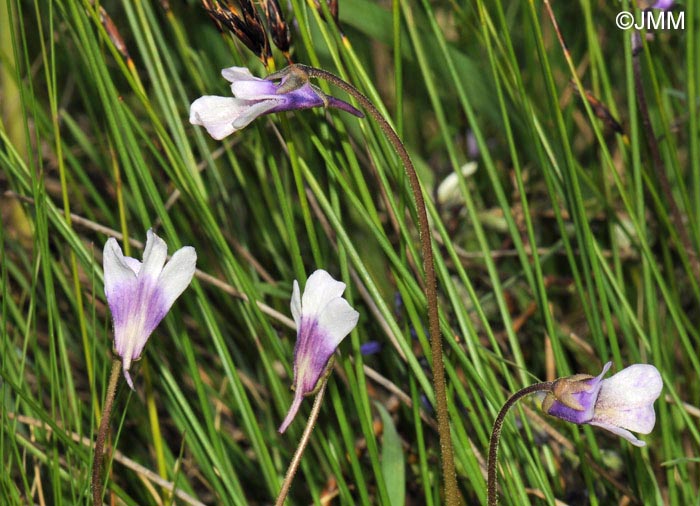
x=622, y=403
x=254, y=97
x=140, y=294
x=323, y=319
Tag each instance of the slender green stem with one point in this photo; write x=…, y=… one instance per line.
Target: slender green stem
x=102, y=433
x=492, y=486
x=448, y=467
x=296, y=460
x=659, y=169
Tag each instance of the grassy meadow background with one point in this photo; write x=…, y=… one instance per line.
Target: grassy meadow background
x=559, y=253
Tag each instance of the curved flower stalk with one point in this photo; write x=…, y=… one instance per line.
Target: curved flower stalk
x=620, y=404
x=140, y=294
x=323, y=319
x=254, y=97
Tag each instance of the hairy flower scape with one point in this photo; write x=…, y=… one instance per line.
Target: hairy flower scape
x=323, y=319
x=140, y=294
x=620, y=404
x=254, y=97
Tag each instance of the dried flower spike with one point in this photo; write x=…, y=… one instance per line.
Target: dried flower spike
x=323, y=319
x=279, y=29
x=245, y=24
x=140, y=294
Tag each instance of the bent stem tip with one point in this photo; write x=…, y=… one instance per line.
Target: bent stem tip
x=492, y=483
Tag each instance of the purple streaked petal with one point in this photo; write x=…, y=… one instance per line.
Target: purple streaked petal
x=575, y=399
x=140, y=309
x=117, y=271
x=313, y=350
x=570, y=414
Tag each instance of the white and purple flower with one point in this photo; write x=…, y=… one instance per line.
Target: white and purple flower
x=323, y=319
x=254, y=97
x=622, y=403
x=140, y=294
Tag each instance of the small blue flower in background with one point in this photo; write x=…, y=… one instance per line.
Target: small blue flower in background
x=663, y=4
x=370, y=348
x=323, y=319
x=141, y=294
x=254, y=97
x=620, y=404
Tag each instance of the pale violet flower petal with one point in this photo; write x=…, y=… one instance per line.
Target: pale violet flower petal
x=177, y=275
x=295, y=304
x=254, y=90
x=639, y=419
x=636, y=385
x=222, y=116
x=618, y=431
x=253, y=111
x=154, y=255
x=233, y=74
x=320, y=289
x=133, y=264
x=117, y=270
x=337, y=319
